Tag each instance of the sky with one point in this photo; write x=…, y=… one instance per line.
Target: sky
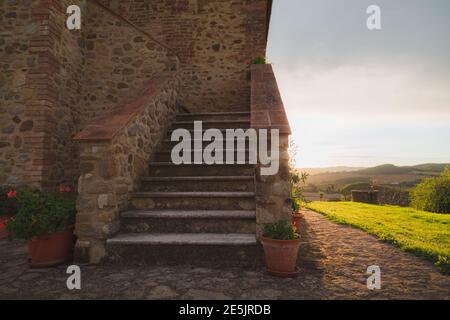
x=362, y=98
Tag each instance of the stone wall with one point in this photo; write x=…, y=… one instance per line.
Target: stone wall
x=215, y=39
x=273, y=192
x=115, y=153
x=119, y=60
x=40, y=58
x=16, y=28
x=67, y=80
x=55, y=81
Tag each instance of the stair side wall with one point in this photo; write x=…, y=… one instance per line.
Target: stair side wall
x=268, y=113
x=112, y=168
x=273, y=192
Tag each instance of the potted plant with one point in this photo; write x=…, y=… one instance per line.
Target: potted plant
x=281, y=244
x=298, y=180
x=8, y=208
x=46, y=220
x=297, y=215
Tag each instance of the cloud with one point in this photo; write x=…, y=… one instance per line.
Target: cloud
x=370, y=92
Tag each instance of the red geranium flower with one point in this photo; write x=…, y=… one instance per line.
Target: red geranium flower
x=65, y=189
x=12, y=194
x=3, y=221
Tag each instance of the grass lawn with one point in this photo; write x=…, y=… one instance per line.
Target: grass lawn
x=422, y=233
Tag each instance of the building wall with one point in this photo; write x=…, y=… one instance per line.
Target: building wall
x=24, y=30
x=119, y=60
x=14, y=64
x=55, y=81
x=67, y=85
x=215, y=39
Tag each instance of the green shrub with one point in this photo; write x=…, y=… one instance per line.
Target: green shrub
x=443, y=264
x=41, y=213
x=296, y=204
x=281, y=230
x=260, y=60
x=433, y=194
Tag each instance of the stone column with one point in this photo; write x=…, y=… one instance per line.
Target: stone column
x=273, y=192
x=97, y=204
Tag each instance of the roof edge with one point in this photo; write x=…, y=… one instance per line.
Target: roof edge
x=268, y=18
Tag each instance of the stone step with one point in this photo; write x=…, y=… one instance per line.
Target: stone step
x=193, y=133
x=185, y=221
x=167, y=144
x=216, y=124
x=168, y=169
x=199, y=249
x=166, y=156
x=214, y=116
x=206, y=183
x=193, y=200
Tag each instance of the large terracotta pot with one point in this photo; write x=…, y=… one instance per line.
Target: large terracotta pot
x=281, y=256
x=51, y=249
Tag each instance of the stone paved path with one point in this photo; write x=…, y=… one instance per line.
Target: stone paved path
x=333, y=261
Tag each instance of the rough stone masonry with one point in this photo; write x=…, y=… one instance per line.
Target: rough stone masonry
x=116, y=85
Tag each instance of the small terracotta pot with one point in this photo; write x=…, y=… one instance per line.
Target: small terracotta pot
x=51, y=249
x=281, y=256
x=297, y=221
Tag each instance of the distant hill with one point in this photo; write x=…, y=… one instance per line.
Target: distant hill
x=386, y=169
x=433, y=167
x=392, y=169
x=313, y=171
x=403, y=177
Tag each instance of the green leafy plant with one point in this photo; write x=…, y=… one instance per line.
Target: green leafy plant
x=433, y=194
x=296, y=204
x=42, y=213
x=260, y=60
x=297, y=181
x=281, y=230
x=443, y=264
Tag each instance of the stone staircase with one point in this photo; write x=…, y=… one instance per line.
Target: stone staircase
x=195, y=214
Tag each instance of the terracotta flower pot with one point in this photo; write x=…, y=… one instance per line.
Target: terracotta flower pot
x=281, y=256
x=4, y=233
x=51, y=249
x=297, y=221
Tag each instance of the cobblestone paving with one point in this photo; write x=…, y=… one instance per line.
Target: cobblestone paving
x=333, y=261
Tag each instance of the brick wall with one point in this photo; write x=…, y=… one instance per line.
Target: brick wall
x=215, y=39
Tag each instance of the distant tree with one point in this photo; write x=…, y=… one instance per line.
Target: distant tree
x=310, y=187
x=433, y=194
